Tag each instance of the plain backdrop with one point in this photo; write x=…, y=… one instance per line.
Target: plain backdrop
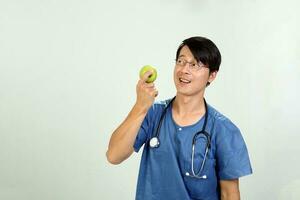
x=68, y=71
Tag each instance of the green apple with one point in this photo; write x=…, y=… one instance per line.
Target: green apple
x=152, y=77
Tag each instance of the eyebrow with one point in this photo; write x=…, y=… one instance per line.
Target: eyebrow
x=194, y=59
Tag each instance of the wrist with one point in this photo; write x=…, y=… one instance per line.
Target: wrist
x=140, y=108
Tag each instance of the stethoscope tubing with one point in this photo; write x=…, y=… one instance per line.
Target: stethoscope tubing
x=154, y=141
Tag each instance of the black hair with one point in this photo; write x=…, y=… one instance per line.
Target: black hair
x=203, y=50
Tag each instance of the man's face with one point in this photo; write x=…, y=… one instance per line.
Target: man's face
x=191, y=81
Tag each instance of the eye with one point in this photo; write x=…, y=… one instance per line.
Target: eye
x=179, y=61
x=194, y=65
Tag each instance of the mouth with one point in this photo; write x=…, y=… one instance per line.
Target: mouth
x=184, y=81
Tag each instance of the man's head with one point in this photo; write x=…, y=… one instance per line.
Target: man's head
x=197, y=63
x=204, y=50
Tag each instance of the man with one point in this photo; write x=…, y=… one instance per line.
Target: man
x=191, y=151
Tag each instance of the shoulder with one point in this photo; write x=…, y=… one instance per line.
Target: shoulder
x=158, y=107
x=221, y=123
x=226, y=134
x=162, y=103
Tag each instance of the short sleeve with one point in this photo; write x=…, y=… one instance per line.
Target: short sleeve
x=144, y=131
x=231, y=152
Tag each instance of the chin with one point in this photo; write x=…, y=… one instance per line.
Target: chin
x=187, y=92
x=183, y=92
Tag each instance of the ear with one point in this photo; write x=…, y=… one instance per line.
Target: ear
x=212, y=76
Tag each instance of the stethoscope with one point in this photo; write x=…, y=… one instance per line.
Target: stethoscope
x=154, y=142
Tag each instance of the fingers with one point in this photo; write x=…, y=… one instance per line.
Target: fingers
x=149, y=85
x=155, y=93
x=144, y=88
x=143, y=83
x=146, y=75
x=148, y=88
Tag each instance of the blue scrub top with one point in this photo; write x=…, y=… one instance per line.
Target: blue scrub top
x=163, y=170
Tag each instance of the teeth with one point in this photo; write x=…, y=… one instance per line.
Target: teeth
x=184, y=80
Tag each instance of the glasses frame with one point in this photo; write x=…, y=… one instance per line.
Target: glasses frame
x=192, y=66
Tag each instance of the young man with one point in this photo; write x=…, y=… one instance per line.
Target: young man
x=191, y=151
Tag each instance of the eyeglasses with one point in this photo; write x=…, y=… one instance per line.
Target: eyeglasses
x=194, y=66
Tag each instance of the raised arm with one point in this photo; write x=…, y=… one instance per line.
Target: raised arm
x=122, y=140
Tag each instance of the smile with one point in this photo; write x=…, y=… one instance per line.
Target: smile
x=184, y=80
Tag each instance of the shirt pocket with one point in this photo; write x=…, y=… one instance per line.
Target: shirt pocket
x=200, y=188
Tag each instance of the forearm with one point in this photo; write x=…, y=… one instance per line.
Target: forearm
x=122, y=140
x=230, y=196
x=230, y=189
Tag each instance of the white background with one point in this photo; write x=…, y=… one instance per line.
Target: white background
x=68, y=71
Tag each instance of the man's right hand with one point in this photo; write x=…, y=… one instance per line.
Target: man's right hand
x=146, y=92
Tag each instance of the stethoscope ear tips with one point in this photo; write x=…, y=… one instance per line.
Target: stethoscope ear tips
x=154, y=142
x=194, y=176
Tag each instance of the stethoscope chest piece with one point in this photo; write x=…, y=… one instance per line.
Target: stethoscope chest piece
x=154, y=142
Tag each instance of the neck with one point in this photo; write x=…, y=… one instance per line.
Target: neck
x=188, y=104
